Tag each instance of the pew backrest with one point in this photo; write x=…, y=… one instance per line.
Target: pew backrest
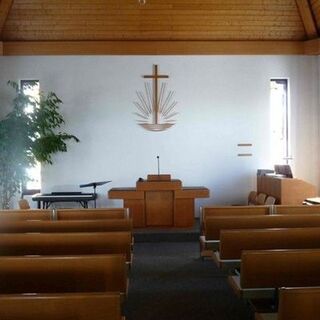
x=16, y=244
x=216, y=211
x=213, y=225
x=62, y=274
x=233, y=242
x=90, y=214
x=303, y=209
x=299, y=303
x=105, y=225
x=233, y=211
x=65, y=214
x=64, y=306
x=280, y=268
x=15, y=215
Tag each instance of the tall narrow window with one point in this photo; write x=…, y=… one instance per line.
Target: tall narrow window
x=279, y=104
x=32, y=89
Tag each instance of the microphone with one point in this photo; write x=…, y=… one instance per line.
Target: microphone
x=158, y=160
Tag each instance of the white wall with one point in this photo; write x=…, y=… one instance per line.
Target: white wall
x=222, y=101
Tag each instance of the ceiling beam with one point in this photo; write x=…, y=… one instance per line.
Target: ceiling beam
x=16, y=48
x=308, y=21
x=312, y=47
x=5, y=6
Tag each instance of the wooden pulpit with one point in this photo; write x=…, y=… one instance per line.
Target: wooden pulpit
x=160, y=201
x=287, y=191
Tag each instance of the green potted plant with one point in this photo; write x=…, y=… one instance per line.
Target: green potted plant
x=28, y=137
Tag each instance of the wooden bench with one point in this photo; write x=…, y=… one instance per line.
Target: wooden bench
x=215, y=211
x=206, y=246
x=63, y=306
x=16, y=244
x=91, y=214
x=233, y=242
x=263, y=271
x=65, y=214
x=303, y=209
x=10, y=226
x=295, y=304
x=14, y=215
x=63, y=274
x=213, y=225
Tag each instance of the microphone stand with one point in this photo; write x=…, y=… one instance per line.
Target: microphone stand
x=158, y=160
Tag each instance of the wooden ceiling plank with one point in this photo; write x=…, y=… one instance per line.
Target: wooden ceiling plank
x=5, y=6
x=17, y=48
x=307, y=18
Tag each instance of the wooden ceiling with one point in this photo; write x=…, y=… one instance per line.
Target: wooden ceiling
x=159, y=27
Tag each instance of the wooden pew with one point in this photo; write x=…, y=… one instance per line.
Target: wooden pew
x=233, y=242
x=63, y=306
x=296, y=304
x=63, y=274
x=65, y=214
x=106, y=225
x=214, y=225
x=90, y=214
x=263, y=271
x=206, y=246
x=84, y=243
x=303, y=209
x=214, y=211
x=14, y=215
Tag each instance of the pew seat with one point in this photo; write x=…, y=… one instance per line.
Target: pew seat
x=63, y=306
x=295, y=304
x=264, y=270
x=63, y=274
x=233, y=242
x=84, y=243
x=250, y=293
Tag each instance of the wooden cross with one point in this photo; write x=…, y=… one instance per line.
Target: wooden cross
x=155, y=76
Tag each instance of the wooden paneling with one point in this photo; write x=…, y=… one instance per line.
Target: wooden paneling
x=287, y=191
x=128, y=193
x=5, y=6
x=184, y=212
x=159, y=185
x=1, y=48
x=163, y=204
x=63, y=306
x=192, y=192
x=12, y=48
x=136, y=211
x=312, y=47
x=34, y=20
x=159, y=205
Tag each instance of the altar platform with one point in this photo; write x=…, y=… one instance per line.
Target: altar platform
x=160, y=201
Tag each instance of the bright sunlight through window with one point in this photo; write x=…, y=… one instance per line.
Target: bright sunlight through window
x=32, y=88
x=279, y=112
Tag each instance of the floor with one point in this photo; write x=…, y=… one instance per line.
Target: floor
x=168, y=281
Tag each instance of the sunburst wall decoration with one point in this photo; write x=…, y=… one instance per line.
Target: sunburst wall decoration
x=155, y=107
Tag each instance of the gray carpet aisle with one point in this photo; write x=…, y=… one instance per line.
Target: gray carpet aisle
x=169, y=281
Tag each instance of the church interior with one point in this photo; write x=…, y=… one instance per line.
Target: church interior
x=159, y=159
